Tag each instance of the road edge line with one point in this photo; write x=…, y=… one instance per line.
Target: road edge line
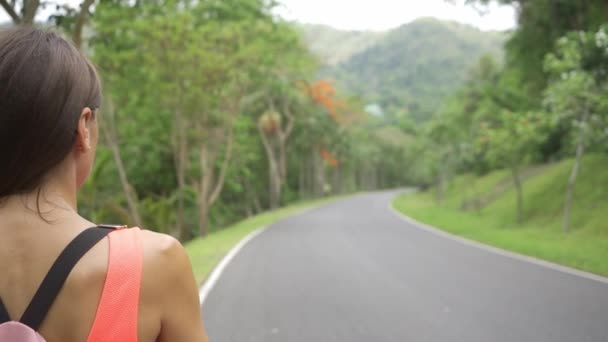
x=205, y=290
x=496, y=250
x=217, y=271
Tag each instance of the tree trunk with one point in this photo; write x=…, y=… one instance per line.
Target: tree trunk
x=284, y=135
x=336, y=183
x=375, y=178
x=206, y=165
x=183, y=231
x=361, y=177
x=274, y=185
x=274, y=172
x=257, y=205
x=321, y=178
x=110, y=137
x=210, y=185
x=253, y=197
x=248, y=210
x=311, y=184
x=126, y=186
x=441, y=185
x=29, y=11
x=180, y=146
x=362, y=172
x=203, y=224
x=580, y=150
x=302, y=180
x=476, y=201
x=81, y=20
x=318, y=175
x=282, y=162
x=519, y=194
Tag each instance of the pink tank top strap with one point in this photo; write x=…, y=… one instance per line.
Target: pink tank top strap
x=117, y=313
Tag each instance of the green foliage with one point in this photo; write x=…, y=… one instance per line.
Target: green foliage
x=512, y=142
x=413, y=68
x=540, y=235
x=185, y=86
x=577, y=88
x=496, y=121
x=541, y=24
x=181, y=75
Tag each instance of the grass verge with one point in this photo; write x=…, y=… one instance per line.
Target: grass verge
x=541, y=235
x=207, y=252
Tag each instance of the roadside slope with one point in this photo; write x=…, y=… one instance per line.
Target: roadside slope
x=541, y=236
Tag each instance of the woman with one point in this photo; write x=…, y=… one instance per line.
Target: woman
x=134, y=285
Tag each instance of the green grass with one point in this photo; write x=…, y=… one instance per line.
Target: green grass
x=541, y=235
x=207, y=252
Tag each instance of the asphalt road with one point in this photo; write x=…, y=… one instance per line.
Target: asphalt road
x=352, y=271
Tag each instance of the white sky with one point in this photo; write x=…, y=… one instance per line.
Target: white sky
x=386, y=14
x=383, y=14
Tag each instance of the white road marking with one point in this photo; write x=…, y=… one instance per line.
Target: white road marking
x=496, y=250
x=219, y=269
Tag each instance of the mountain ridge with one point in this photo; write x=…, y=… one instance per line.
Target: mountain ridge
x=406, y=70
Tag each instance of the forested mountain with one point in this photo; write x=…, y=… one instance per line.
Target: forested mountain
x=408, y=69
x=336, y=46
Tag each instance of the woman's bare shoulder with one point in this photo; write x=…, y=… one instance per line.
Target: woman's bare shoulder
x=165, y=255
x=161, y=244
x=171, y=284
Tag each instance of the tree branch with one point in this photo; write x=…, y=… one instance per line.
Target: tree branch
x=206, y=173
x=290, y=122
x=265, y=142
x=227, y=158
x=80, y=22
x=108, y=130
x=11, y=12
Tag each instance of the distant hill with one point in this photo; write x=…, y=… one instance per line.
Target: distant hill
x=408, y=69
x=336, y=46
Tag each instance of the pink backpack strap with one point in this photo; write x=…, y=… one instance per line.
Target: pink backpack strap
x=117, y=313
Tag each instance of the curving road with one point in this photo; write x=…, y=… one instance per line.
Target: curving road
x=353, y=271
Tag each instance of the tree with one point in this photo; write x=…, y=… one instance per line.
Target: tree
x=442, y=135
x=202, y=69
x=72, y=19
x=286, y=66
x=540, y=24
x=21, y=12
x=108, y=129
x=511, y=144
x=576, y=95
x=275, y=134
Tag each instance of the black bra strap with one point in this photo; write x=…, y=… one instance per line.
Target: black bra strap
x=4, y=317
x=53, y=281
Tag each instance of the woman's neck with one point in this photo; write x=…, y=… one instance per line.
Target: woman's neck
x=55, y=200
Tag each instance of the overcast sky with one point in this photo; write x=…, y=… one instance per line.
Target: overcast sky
x=383, y=14
x=386, y=14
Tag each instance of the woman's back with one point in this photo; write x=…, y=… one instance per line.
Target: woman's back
x=48, y=133
x=30, y=246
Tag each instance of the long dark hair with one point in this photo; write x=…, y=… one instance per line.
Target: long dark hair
x=45, y=83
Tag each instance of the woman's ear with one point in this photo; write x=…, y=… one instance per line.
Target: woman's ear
x=83, y=141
